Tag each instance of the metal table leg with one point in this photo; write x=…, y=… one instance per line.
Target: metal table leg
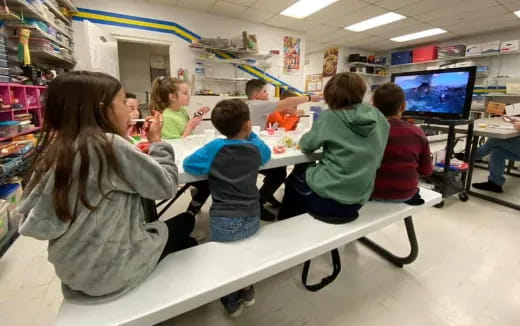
x=396, y=260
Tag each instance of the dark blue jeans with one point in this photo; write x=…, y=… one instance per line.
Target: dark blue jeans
x=299, y=199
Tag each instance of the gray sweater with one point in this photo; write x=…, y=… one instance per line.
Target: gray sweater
x=105, y=252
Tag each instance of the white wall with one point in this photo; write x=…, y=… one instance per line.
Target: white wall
x=203, y=24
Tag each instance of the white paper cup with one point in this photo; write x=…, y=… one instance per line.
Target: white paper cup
x=256, y=129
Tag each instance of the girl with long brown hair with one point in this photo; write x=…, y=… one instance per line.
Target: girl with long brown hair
x=85, y=193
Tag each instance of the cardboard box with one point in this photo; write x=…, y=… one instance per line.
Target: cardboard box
x=513, y=109
x=427, y=53
x=509, y=46
x=490, y=47
x=474, y=49
x=403, y=57
x=452, y=51
x=496, y=107
x=513, y=88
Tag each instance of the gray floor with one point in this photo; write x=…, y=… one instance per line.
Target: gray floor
x=467, y=273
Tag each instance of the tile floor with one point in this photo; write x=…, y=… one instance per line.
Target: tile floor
x=467, y=273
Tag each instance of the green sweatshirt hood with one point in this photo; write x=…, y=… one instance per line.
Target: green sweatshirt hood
x=361, y=119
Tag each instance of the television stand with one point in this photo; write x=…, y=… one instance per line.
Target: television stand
x=445, y=181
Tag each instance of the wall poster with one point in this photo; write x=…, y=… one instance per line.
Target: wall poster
x=291, y=54
x=330, y=62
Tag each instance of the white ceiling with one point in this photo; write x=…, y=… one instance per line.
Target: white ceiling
x=326, y=27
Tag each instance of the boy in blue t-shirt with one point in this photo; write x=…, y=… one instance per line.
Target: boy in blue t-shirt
x=232, y=166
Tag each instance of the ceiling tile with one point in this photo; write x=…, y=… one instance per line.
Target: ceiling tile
x=320, y=31
x=342, y=36
x=333, y=14
x=394, y=4
x=200, y=5
x=166, y=2
x=512, y=5
x=257, y=15
x=228, y=9
x=460, y=11
x=280, y=21
x=425, y=6
x=393, y=31
x=302, y=25
x=275, y=6
x=361, y=14
x=247, y=3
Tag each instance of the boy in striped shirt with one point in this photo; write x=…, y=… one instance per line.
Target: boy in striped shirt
x=407, y=153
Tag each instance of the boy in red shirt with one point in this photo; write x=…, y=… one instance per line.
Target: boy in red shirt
x=407, y=153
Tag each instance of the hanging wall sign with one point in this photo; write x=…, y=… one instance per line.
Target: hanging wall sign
x=330, y=62
x=291, y=54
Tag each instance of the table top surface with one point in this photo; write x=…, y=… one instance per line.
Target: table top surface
x=494, y=127
x=185, y=147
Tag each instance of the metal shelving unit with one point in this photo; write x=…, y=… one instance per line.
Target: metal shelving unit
x=242, y=57
x=364, y=64
x=222, y=79
x=69, y=5
x=31, y=12
x=50, y=56
x=372, y=75
x=58, y=13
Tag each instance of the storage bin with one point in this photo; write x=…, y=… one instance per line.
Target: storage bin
x=4, y=219
x=452, y=51
x=8, y=128
x=509, y=46
x=11, y=192
x=427, y=53
x=403, y=57
x=3, y=63
x=4, y=71
x=490, y=47
x=473, y=49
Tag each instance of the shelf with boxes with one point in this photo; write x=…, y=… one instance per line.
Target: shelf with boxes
x=454, y=53
x=50, y=44
x=370, y=66
x=20, y=110
x=41, y=12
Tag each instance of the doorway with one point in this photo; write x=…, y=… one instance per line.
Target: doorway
x=139, y=65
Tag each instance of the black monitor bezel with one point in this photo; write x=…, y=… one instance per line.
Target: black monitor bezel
x=469, y=92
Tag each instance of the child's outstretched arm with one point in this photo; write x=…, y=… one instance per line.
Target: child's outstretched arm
x=265, y=151
x=199, y=163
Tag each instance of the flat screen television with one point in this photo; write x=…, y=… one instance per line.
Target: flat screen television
x=443, y=93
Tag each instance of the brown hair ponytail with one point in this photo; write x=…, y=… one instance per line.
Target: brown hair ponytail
x=162, y=87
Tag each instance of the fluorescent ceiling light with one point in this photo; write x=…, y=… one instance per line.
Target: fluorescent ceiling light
x=374, y=22
x=304, y=8
x=517, y=13
x=413, y=36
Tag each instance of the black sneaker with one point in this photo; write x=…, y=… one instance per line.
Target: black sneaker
x=248, y=296
x=274, y=202
x=460, y=156
x=489, y=186
x=266, y=215
x=233, y=304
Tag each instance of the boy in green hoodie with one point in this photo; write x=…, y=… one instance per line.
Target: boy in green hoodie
x=353, y=136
